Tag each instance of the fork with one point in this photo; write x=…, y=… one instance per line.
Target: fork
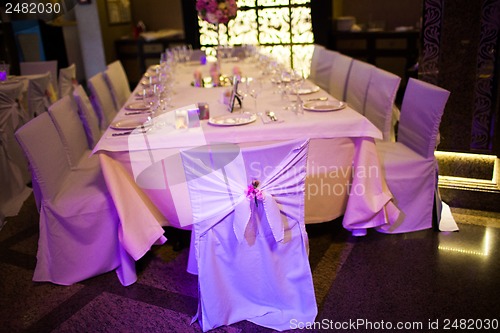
x=271, y=115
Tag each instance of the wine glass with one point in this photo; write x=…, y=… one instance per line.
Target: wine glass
x=254, y=88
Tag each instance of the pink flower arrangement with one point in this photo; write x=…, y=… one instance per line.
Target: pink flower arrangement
x=216, y=11
x=255, y=193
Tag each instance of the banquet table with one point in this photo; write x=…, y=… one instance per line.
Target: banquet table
x=144, y=173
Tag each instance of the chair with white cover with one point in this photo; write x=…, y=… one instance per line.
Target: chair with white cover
x=409, y=164
x=357, y=84
x=88, y=116
x=315, y=61
x=14, y=174
x=250, y=242
x=102, y=99
x=118, y=83
x=380, y=98
x=38, y=94
x=321, y=64
x=338, y=76
x=67, y=80
x=78, y=236
x=64, y=114
x=42, y=67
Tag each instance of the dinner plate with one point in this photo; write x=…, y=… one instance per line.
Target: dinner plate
x=307, y=90
x=233, y=119
x=131, y=123
x=323, y=106
x=137, y=106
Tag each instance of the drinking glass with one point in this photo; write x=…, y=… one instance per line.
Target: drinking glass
x=254, y=88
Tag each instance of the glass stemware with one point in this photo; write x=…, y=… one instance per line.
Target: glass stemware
x=254, y=88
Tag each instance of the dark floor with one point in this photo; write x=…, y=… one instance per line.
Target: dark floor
x=424, y=280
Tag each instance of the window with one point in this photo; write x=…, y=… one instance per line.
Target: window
x=281, y=27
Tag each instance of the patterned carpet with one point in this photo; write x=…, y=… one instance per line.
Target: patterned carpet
x=360, y=283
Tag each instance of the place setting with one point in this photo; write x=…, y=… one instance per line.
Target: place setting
x=323, y=105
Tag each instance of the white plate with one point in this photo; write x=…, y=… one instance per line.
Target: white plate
x=233, y=119
x=131, y=123
x=138, y=106
x=323, y=106
x=307, y=90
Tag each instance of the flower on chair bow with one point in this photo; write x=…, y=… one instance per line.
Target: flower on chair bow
x=254, y=193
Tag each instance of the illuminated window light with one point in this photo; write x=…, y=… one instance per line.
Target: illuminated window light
x=281, y=27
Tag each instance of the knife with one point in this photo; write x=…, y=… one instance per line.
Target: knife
x=128, y=132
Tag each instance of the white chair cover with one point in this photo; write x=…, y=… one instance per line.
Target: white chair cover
x=250, y=242
x=42, y=67
x=357, y=85
x=380, y=98
x=88, y=116
x=67, y=80
x=409, y=164
x=315, y=61
x=78, y=222
x=102, y=100
x=14, y=173
x=324, y=60
x=64, y=114
x=118, y=83
x=338, y=76
x=38, y=94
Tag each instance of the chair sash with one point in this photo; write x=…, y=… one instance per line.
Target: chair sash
x=38, y=94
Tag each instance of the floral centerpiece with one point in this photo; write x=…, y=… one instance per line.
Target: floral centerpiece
x=217, y=11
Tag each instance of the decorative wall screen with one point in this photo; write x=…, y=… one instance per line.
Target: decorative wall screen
x=281, y=27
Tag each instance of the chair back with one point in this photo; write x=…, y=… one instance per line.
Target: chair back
x=249, y=205
x=102, y=99
x=380, y=98
x=323, y=60
x=42, y=67
x=118, y=83
x=64, y=114
x=38, y=94
x=12, y=116
x=67, y=80
x=421, y=112
x=10, y=108
x=338, y=76
x=88, y=116
x=45, y=152
x=357, y=84
x=326, y=59
x=315, y=61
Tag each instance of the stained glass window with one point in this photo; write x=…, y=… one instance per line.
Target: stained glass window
x=282, y=27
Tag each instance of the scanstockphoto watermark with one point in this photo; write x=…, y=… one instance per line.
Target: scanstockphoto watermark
x=357, y=324
x=327, y=180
